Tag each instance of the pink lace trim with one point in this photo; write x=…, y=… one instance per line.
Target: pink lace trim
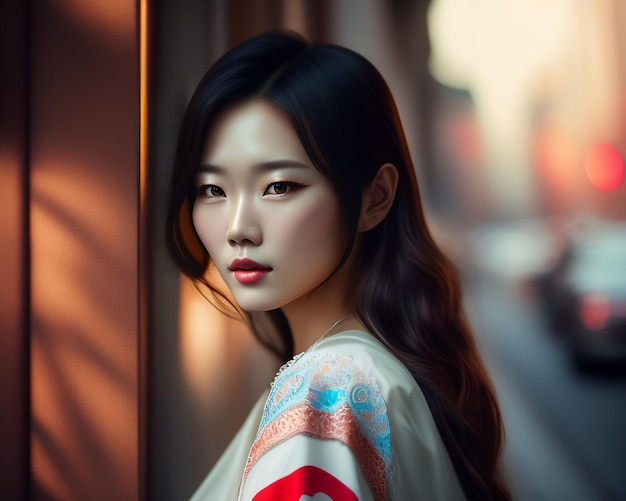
x=339, y=425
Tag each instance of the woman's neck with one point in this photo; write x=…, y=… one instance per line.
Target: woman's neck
x=318, y=315
x=314, y=315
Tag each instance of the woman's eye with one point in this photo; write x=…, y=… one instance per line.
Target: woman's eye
x=281, y=188
x=211, y=191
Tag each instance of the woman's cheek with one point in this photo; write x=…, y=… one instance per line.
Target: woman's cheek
x=310, y=229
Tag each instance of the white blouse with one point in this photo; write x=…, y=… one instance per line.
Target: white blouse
x=345, y=422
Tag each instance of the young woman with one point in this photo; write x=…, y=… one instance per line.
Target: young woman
x=293, y=179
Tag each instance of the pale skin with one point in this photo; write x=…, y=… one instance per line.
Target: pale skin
x=261, y=198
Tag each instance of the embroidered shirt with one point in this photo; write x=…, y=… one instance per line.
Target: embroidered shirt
x=345, y=422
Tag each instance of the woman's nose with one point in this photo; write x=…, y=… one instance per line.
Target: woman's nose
x=244, y=226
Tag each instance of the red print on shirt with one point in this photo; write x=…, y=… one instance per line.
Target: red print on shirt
x=306, y=481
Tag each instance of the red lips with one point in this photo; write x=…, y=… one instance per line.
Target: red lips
x=247, y=271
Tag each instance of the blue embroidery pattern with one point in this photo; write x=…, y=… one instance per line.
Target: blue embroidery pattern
x=326, y=381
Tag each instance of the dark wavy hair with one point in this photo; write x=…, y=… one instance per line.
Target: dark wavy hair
x=406, y=292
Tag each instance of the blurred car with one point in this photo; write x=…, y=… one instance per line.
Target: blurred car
x=584, y=294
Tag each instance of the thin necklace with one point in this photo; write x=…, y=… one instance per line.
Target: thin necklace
x=288, y=364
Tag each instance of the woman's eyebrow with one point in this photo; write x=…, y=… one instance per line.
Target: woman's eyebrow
x=259, y=167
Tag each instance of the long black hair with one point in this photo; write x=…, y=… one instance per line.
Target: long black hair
x=407, y=293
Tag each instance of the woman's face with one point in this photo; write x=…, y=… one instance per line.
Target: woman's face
x=268, y=218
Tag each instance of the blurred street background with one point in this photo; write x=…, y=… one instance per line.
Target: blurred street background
x=530, y=126
x=565, y=433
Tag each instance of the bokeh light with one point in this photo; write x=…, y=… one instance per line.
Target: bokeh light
x=594, y=311
x=605, y=167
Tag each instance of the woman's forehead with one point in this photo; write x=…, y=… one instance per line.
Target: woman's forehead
x=254, y=136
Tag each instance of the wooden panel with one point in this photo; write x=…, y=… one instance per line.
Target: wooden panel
x=84, y=213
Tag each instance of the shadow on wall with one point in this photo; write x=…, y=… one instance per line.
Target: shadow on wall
x=84, y=205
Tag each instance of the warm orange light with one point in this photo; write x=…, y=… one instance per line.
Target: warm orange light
x=605, y=167
x=203, y=342
x=143, y=102
x=144, y=251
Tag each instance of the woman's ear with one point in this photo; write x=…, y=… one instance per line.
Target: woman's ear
x=378, y=197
